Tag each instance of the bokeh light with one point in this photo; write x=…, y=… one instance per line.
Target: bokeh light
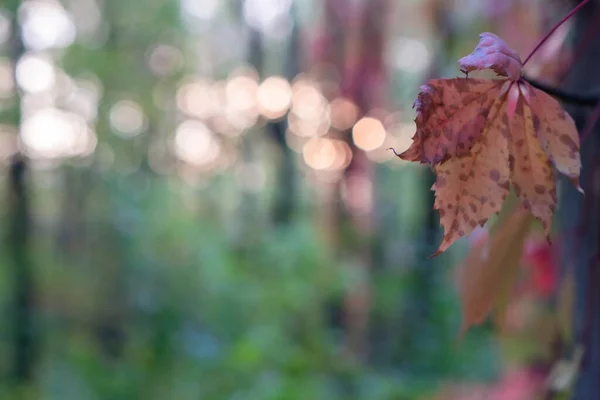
x=307, y=101
x=195, y=143
x=240, y=93
x=195, y=99
x=127, y=118
x=51, y=134
x=87, y=17
x=308, y=128
x=274, y=97
x=368, y=134
x=164, y=59
x=203, y=10
x=344, y=113
x=46, y=24
x=319, y=153
x=35, y=73
x=343, y=155
x=271, y=17
x=410, y=55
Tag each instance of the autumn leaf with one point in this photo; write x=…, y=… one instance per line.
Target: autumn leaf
x=530, y=169
x=492, y=53
x=470, y=189
x=482, y=136
x=488, y=275
x=451, y=117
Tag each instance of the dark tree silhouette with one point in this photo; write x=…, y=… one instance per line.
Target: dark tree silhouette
x=580, y=216
x=23, y=332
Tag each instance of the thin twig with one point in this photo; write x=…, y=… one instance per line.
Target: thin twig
x=562, y=21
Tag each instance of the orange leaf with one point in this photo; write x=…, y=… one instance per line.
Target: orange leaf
x=479, y=134
x=556, y=132
x=490, y=271
x=530, y=170
x=451, y=116
x=472, y=188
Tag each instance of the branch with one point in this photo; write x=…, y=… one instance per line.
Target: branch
x=580, y=99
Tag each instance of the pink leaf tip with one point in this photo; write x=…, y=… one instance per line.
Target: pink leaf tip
x=493, y=53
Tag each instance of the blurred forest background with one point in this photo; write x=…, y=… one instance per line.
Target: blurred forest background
x=197, y=202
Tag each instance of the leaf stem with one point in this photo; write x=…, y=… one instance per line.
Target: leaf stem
x=562, y=21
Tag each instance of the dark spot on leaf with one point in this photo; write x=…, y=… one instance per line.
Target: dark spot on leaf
x=570, y=143
x=495, y=175
x=536, y=123
x=540, y=189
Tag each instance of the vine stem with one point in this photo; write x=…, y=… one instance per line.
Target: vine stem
x=562, y=21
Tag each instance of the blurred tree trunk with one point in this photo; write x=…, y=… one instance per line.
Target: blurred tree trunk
x=580, y=216
x=24, y=343
x=363, y=81
x=285, y=200
x=109, y=320
x=354, y=41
